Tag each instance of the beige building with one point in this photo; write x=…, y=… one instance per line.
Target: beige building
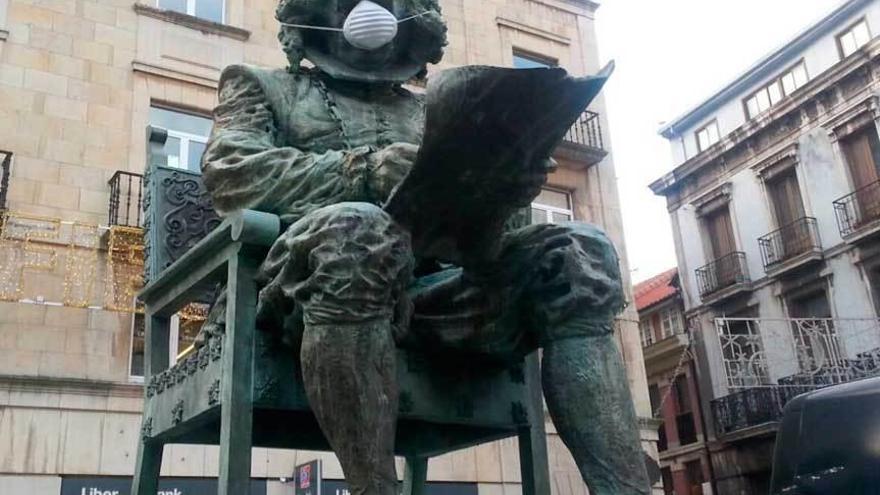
x=79, y=82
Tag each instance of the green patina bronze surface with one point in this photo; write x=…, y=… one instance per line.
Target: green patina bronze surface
x=352, y=281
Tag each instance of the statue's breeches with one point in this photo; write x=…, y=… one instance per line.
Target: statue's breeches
x=343, y=264
x=351, y=263
x=546, y=277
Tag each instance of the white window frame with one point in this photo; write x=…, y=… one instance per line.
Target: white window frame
x=191, y=9
x=709, y=138
x=670, y=323
x=768, y=96
x=173, y=337
x=646, y=329
x=550, y=210
x=185, y=139
x=851, y=32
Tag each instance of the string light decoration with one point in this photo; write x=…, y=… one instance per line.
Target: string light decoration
x=98, y=267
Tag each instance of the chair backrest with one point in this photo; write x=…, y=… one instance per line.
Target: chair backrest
x=178, y=212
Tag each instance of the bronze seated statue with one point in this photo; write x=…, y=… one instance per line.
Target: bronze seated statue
x=345, y=284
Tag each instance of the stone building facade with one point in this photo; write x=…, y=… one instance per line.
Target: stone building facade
x=774, y=206
x=673, y=386
x=79, y=82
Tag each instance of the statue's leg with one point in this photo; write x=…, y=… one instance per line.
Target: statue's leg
x=346, y=266
x=569, y=281
x=588, y=398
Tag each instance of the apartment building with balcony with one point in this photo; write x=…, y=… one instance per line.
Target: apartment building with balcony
x=775, y=219
x=673, y=386
x=80, y=80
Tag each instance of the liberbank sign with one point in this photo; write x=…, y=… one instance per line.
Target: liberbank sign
x=75, y=485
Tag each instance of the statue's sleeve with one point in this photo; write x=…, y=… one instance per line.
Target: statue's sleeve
x=244, y=168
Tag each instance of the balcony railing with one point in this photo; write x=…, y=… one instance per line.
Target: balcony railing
x=587, y=131
x=858, y=209
x=722, y=273
x=5, y=171
x=126, y=200
x=803, y=355
x=795, y=239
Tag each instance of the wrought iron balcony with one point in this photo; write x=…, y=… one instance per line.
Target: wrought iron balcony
x=583, y=143
x=858, y=209
x=587, y=131
x=722, y=273
x=807, y=353
x=5, y=171
x=126, y=200
x=791, y=241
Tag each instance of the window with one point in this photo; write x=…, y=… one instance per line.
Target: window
x=187, y=137
x=785, y=194
x=523, y=60
x=862, y=152
x=647, y=331
x=211, y=10
x=671, y=323
x=854, y=38
x=552, y=206
x=719, y=230
x=779, y=88
x=707, y=136
x=185, y=327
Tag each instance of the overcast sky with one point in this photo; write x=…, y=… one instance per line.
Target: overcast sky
x=671, y=55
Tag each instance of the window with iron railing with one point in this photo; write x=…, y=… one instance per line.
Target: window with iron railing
x=790, y=241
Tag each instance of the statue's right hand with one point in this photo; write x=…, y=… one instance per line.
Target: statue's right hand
x=389, y=166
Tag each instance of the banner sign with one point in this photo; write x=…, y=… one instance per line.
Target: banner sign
x=307, y=478
x=81, y=485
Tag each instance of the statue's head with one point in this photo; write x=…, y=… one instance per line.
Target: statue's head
x=363, y=40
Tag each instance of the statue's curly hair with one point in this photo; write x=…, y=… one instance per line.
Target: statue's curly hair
x=315, y=12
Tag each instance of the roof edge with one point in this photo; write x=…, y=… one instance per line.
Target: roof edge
x=759, y=70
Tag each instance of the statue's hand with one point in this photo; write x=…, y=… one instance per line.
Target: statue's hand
x=389, y=166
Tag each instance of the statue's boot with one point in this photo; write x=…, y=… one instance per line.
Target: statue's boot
x=589, y=401
x=351, y=382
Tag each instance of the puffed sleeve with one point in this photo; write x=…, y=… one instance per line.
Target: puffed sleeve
x=244, y=168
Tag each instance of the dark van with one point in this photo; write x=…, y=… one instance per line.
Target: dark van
x=829, y=442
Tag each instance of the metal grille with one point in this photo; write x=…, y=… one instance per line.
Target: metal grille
x=796, y=238
x=723, y=272
x=797, y=352
x=858, y=209
x=126, y=200
x=587, y=131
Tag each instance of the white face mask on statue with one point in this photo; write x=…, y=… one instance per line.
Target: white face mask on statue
x=369, y=26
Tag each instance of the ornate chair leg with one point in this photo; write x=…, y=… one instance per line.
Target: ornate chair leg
x=533, y=439
x=236, y=406
x=416, y=475
x=147, y=467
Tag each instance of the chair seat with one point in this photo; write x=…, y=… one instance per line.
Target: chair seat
x=444, y=404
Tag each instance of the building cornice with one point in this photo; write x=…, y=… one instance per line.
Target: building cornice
x=771, y=63
x=783, y=115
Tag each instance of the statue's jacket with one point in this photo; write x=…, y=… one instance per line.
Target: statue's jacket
x=289, y=143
